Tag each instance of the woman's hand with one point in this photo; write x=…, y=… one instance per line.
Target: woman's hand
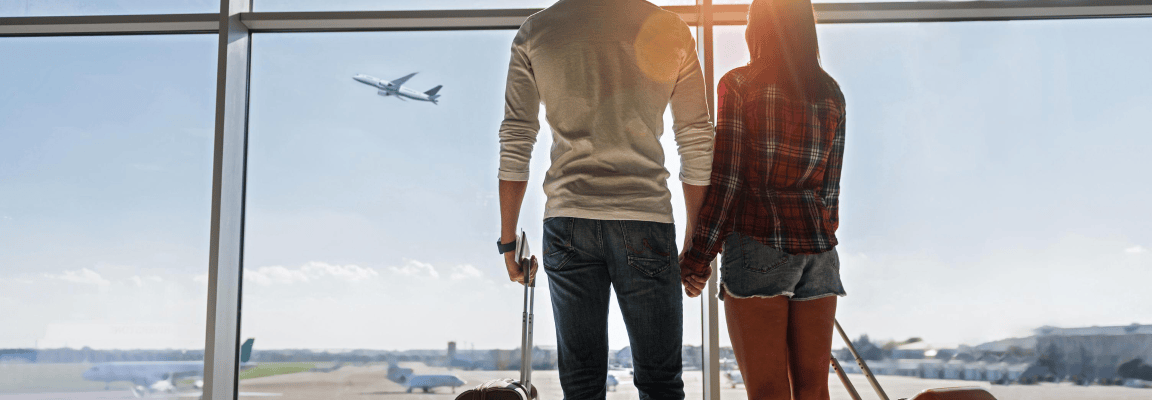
x=693, y=280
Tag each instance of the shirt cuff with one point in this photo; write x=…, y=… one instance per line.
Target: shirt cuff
x=696, y=259
x=512, y=176
x=695, y=182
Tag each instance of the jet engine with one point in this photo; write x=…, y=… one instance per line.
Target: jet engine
x=384, y=93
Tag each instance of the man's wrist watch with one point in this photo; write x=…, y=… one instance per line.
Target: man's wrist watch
x=505, y=247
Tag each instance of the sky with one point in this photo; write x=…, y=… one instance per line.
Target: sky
x=995, y=181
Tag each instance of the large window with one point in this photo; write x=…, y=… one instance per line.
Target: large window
x=993, y=185
x=370, y=219
x=39, y=8
x=105, y=181
x=994, y=218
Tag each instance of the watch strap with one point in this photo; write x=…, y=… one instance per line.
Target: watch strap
x=505, y=247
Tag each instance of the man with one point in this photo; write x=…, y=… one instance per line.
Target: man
x=605, y=71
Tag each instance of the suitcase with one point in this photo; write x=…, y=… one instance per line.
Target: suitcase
x=509, y=389
x=954, y=393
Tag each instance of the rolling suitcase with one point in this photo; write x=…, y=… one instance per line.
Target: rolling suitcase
x=510, y=389
x=953, y=393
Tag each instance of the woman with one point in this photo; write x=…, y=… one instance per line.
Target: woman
x=773, y=205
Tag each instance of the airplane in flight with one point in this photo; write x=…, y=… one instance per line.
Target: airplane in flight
x=396, y=88
x=152, y=377
x=427, y=383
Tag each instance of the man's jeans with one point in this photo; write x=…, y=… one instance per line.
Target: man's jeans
x=584, y=258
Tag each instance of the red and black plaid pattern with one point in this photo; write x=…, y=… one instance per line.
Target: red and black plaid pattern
x=775, y=170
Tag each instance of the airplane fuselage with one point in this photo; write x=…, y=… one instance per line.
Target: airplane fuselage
x=143, y=373
x=426, y=383
x=388, y=89
x=146, y=373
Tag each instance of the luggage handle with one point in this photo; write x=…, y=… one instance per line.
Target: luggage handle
x=524, y=257
x=863, y=368
x=844, y=379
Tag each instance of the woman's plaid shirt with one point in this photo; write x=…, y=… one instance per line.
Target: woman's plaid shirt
x=775, y=170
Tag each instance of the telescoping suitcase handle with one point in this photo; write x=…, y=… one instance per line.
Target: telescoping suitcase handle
x=952, y=393
x=524, y=257
x=863, y=368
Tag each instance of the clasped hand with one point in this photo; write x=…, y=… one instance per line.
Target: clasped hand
x=694, y=277
x=515, y=270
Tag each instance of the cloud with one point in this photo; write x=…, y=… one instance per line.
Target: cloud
x=202, y=278
x=416, y=268
x=271, y=275
x=466, y=271
x=345, y=272
x=265, y=276
x=82, y=276
x=139, y=281
x=1135, y=250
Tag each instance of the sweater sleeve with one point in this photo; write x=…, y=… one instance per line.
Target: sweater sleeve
x=521, y=112
x=690, y=117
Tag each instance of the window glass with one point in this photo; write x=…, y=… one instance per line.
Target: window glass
x=105, y=202
x=370, y=220
x=993, y=201
x=40, y=8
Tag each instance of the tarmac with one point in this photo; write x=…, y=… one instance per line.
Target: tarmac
x=369, y=382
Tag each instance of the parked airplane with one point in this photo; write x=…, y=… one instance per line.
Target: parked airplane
x=150, y=377
x=735, y=377
x=427, y=383
x=396, y=88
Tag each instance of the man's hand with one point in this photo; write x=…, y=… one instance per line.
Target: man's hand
x=515, y=270
x=693, y=282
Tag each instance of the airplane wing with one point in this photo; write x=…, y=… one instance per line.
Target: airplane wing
x=401, y=81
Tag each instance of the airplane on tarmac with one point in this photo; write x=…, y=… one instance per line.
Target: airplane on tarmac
x=735, y=377
x=427, y=383
x=160, y=377
x=396, y=88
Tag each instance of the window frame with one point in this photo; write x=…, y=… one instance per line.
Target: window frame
x=235, y=24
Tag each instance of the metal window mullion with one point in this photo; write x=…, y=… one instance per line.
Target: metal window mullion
x=229, y=164
x=727, y=14
x=955, y=11
x=709, y=305
x=110, y=25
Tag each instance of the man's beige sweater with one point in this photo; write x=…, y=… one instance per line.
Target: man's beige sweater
x=605, y=71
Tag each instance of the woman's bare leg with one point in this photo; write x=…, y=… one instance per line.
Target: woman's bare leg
x=810, y=344
x=758, y=328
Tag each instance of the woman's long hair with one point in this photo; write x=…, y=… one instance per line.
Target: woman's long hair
x=782, y=40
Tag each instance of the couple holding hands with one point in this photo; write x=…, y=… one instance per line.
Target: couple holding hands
x=762, y=185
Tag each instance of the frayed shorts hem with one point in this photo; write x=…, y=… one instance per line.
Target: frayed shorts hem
x=724, y=292
x=818, y=297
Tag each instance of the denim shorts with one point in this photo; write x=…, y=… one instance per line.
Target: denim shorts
x=748, y=268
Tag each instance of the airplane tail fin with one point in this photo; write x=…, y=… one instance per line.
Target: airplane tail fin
x=432, y=91
x=246, y=350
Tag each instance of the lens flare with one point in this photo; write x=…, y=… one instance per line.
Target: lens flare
x=659, y=47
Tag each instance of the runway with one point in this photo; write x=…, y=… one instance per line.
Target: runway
x=369, y=382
